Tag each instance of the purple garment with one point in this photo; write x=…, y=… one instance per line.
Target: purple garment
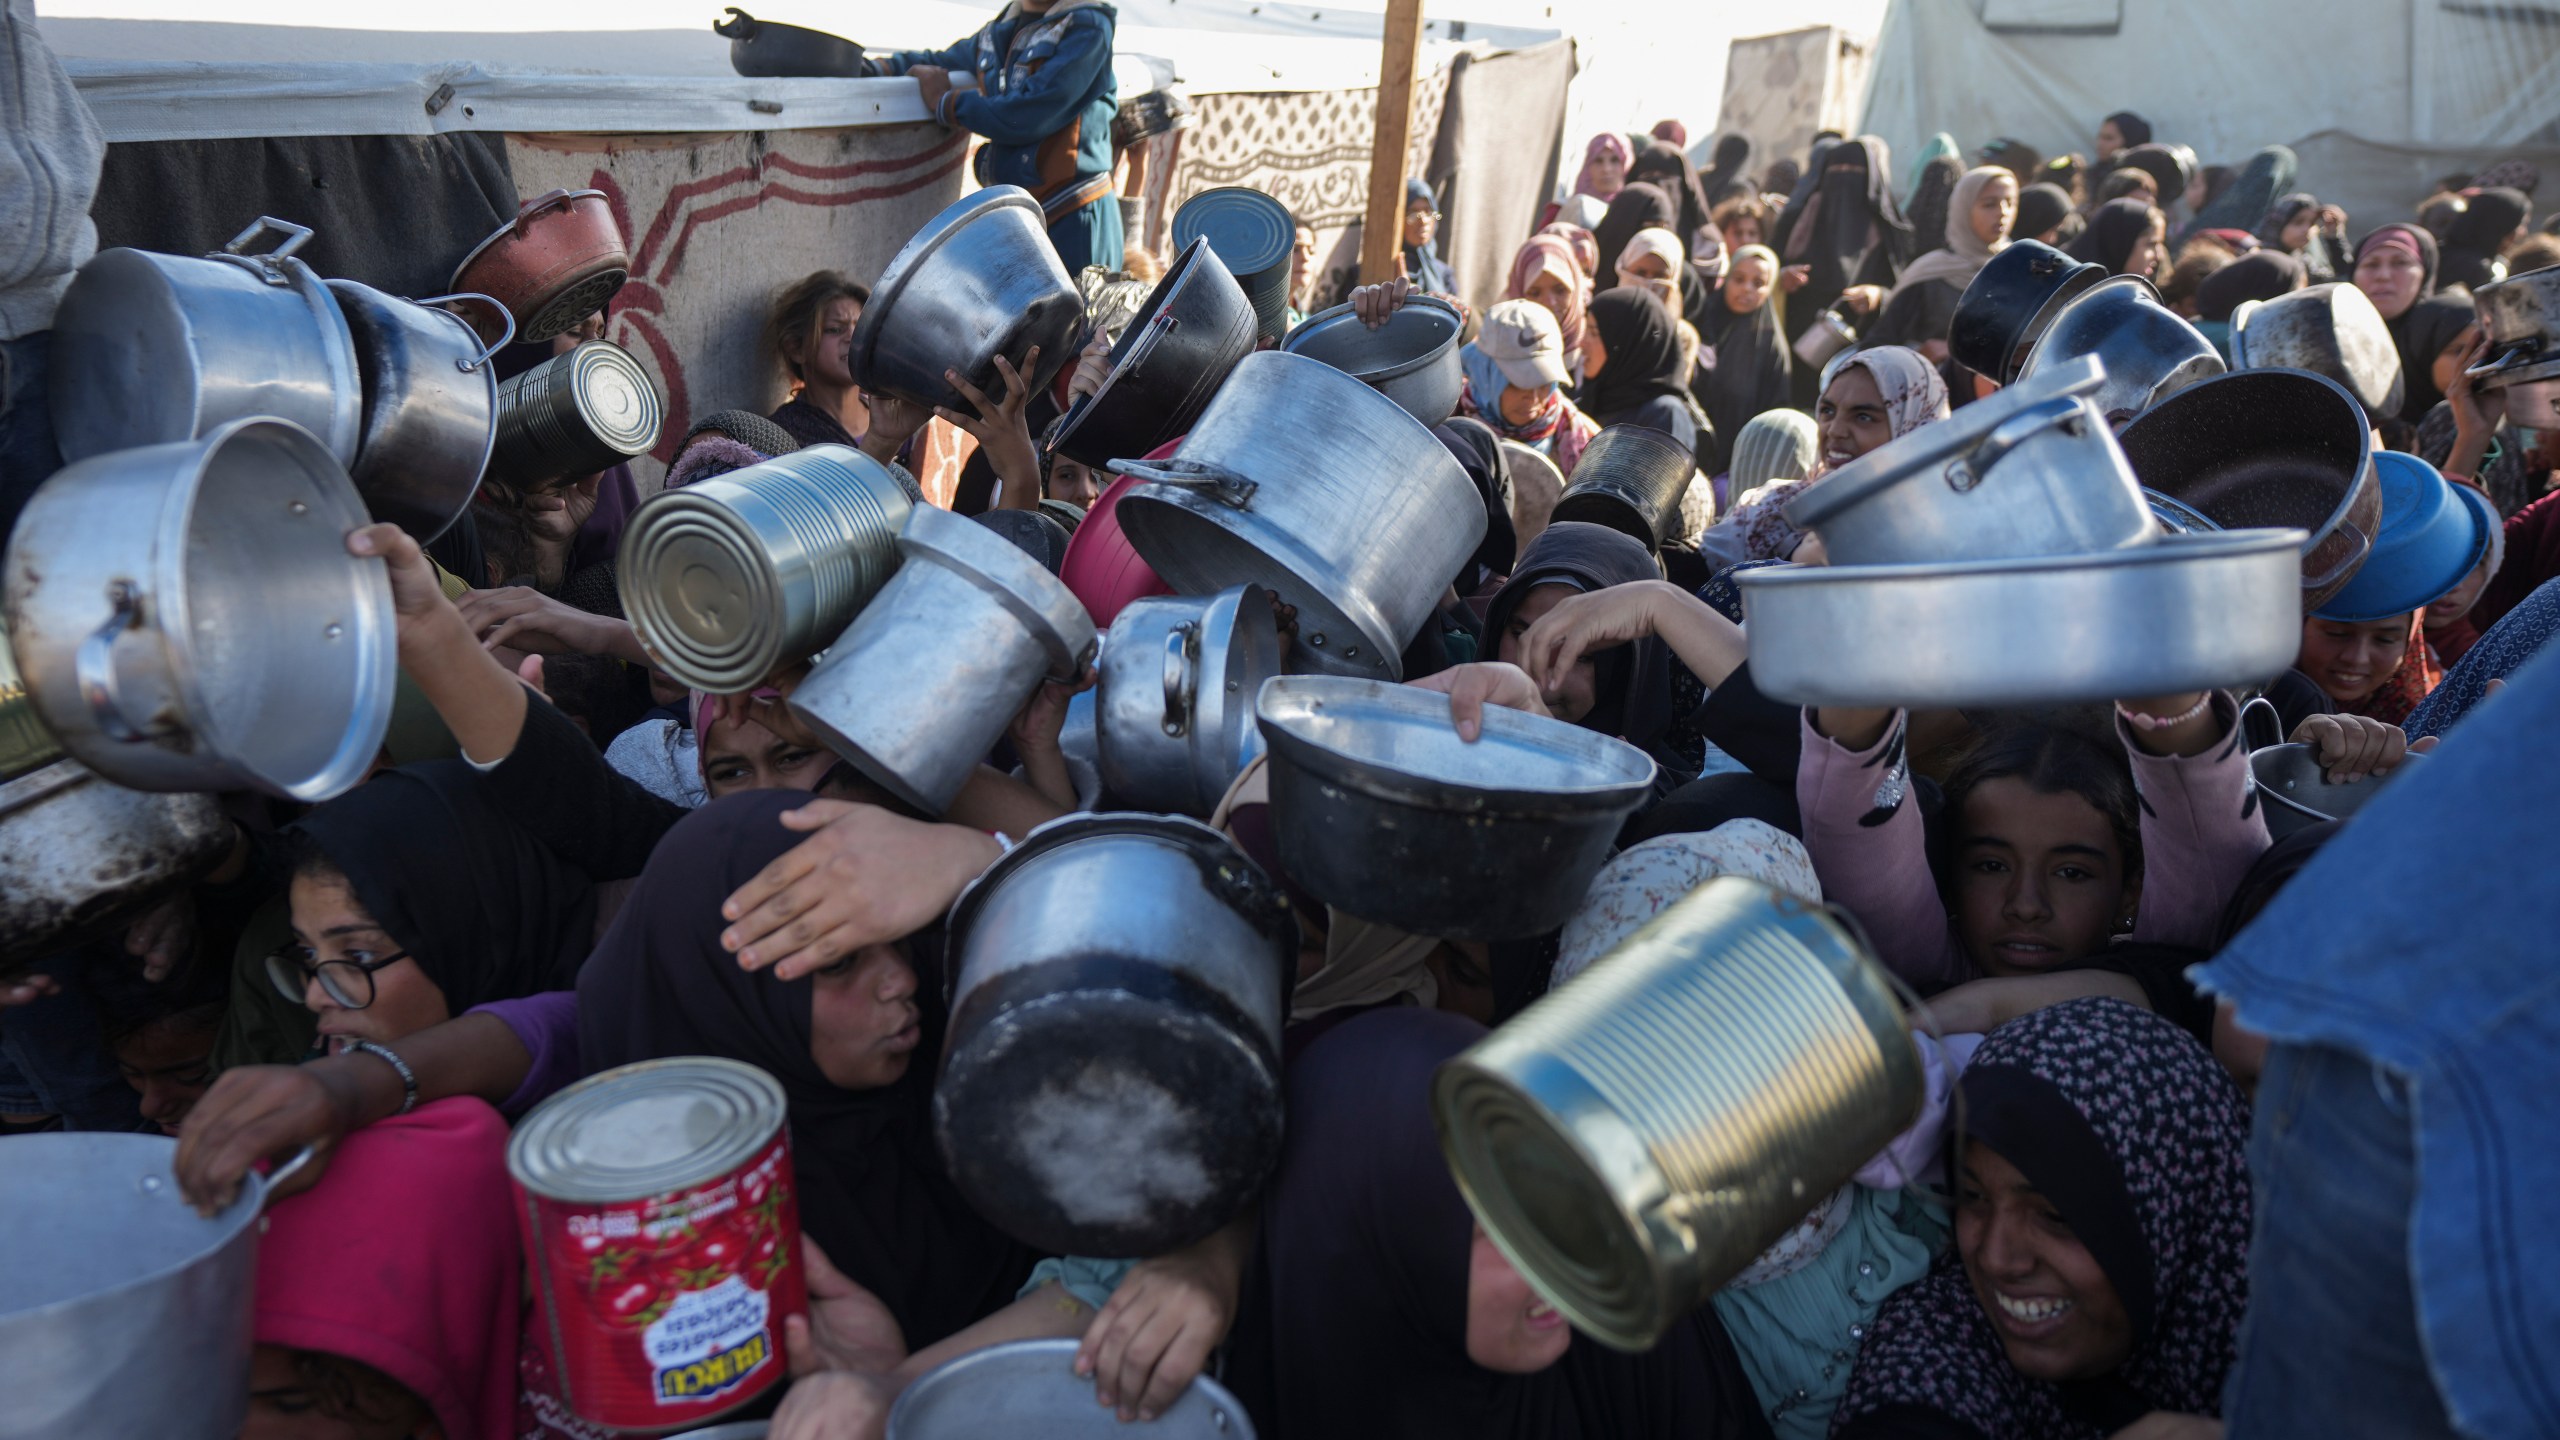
x=547, y=1026
x=598, y=539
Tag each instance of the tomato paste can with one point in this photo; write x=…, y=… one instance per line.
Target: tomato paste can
x=662, y=1229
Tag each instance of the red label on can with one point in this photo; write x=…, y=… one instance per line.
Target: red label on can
x=667, y=1311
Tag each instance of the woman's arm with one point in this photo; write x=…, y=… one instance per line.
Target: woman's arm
x=1862, y=828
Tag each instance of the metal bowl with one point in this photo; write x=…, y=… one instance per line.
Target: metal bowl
x=1381, y=811
x=978, y=281
x=1412, y=359
x=2183, y=612
x=1029, y=1387
x=2150, y=352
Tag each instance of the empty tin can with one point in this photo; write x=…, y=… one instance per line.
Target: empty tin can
x=574, y=414
x=1636, y=1138
x=731, y=578
x=662, y=1227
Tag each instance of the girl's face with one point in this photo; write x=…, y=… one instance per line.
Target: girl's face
x=169, y=1063
x=2390, y=278
x=1549, y=289
x=1851, y=417
x=2040, y=879
x=2110, y=140
x=1743, y=230
x=829, y=360
x=1648, y=266
x=1510, y=1331
x=329, y=923
x=2144, y=258
x=1519, y=406
x=1581, y=684
x=1608, y=174
x=1074, y=482
x=2056, y=1313
x=863, y=1020
x=2349, y=660
x=2297, y=231
x=2457, y=602
x=743, y=752
x=1746, y=285
x=1594, y=354
x=1995, y=209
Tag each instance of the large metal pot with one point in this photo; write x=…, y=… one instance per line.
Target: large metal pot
x=927, y=676
x=1637, y=1137
x=430, y=405
x=77, y=853
x=150, y=348
x=1632, y=479
x=1412, y=359
x=1193, y=328
x=1174, y=704
x=574, y=414
x=729, y=579
x=556, y=263
x=762, y=49
x=2331, y=330
x=1030, y=1387
x=122, y=1311
x=978, y=281
x=2150, y=352
x=1381, y=811
x=2268, y=448
x=188, y=618
x=2030, y=471
x=1111, y=1082
x=2012, y=298
x=2183, y=612
x=1304, y=481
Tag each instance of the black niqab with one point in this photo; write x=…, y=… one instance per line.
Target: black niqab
x=873, y=1192
x=1663, y=165
x=1729, y=170
x=1639, y=205
x=1929, y=200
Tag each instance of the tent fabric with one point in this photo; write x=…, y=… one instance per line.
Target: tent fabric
x=2375, y=109
x=1499, y=134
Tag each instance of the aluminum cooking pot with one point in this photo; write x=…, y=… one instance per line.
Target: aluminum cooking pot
x=2012, y=298
x=1412, y=359
x=150, y=348
x=1826, y=335
x=2268, y=448
x=430, y=404
x=1111, y=1081
x=575, y=414
x=917, y=689
x=2330, y=330
x=1174, y=704
x=2029, y=471
x=2289, y=779
x=978, y=281
x=556, y=263
x=729, y=579
x=2183, y=612
x=2527, y=396
x=78, y=854
x=1381, y=811
x=1304, y=481
x=761, y=49
x=1030, y=1387
x=2150, y=352
x=1193, y=328
x=1638, y=1136
x=2522, y=314
x=122, y=1311
x=1632, y=479
x=188, y=618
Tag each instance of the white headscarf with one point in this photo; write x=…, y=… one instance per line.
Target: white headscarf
x=1965, y=253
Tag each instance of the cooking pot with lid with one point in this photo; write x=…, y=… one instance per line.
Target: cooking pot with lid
x=978, y=281
x=1192, y=329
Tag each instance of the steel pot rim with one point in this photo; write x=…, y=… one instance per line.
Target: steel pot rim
x=2351, y=491
x=1318, y=325
x=921, y=250
x=2196, y=547
x=242, y=1214
x=1285, y=699
x=1908, y=458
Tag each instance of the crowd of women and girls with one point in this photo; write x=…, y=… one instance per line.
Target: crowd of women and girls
x=566, y=863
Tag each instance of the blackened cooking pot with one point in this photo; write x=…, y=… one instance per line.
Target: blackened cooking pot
x=2011, y=300
x=1195, y=325
x=761, y=49
x=1631, y=479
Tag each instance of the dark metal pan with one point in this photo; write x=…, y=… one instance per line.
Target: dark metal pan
x=764, y=50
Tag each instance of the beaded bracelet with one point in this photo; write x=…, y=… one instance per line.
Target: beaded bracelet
x=2140, y=721
x=408, y=1077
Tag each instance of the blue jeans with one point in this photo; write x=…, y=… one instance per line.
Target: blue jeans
x=2330, y=1346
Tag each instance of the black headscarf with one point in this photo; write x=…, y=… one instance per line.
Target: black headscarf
x=2041, y=207
x=2167, y=168
x=1354, y=1320
x=1663, y=165
x=2282, y=213
x=2421, y=332
x=1639, y=205
x=1643, y=353
x=2479, y=235
x=2242, y=202
x=1731, y=167
x=2132, y=129
x=484, y=908
x=1752, y=363
x=1479, y=453
x=2258, y=275
x=1928, y=207
x=2110, y=238
x=1632, y=691
x=873, y=1192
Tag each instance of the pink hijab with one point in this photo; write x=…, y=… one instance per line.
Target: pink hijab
x=405, y=1258
x=1551, y=255
x=1606, y=142
x=1582, y=244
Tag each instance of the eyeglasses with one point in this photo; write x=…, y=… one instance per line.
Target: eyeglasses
x=349, y=982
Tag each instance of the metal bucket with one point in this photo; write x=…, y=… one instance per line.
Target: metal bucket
x=1030, y=1387
x=1631, y=479
x=1174, y=704
x=929, y=674
x=729, y=579
x=1636, y=1138
x=78, y=854
x=574, y=414
x=1111, y=1084
x=123, y=1313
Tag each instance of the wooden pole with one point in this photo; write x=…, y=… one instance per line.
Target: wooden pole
x=1382, y=232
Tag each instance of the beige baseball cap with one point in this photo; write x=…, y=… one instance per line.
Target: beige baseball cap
x=1522, y=338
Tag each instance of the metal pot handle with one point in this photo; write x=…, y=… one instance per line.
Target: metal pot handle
x=2170, y=510
x=1967, y=470
x=1220, y=484
x=743, y=27
x=506, y=320
x=2346, y=562
x=548, y=199
x=93, y=665
x=286, y=1171
x=2258, y=718
x=1181, y=676
x=268, y=224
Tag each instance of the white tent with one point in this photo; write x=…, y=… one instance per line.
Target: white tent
x=2376, y=97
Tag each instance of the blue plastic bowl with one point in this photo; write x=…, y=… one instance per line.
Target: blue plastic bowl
x=2429, y=542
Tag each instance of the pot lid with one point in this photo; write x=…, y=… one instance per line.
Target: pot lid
x=1937, y=443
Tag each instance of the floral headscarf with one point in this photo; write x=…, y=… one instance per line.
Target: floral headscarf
x=1914, y=395
x=1644, y=879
